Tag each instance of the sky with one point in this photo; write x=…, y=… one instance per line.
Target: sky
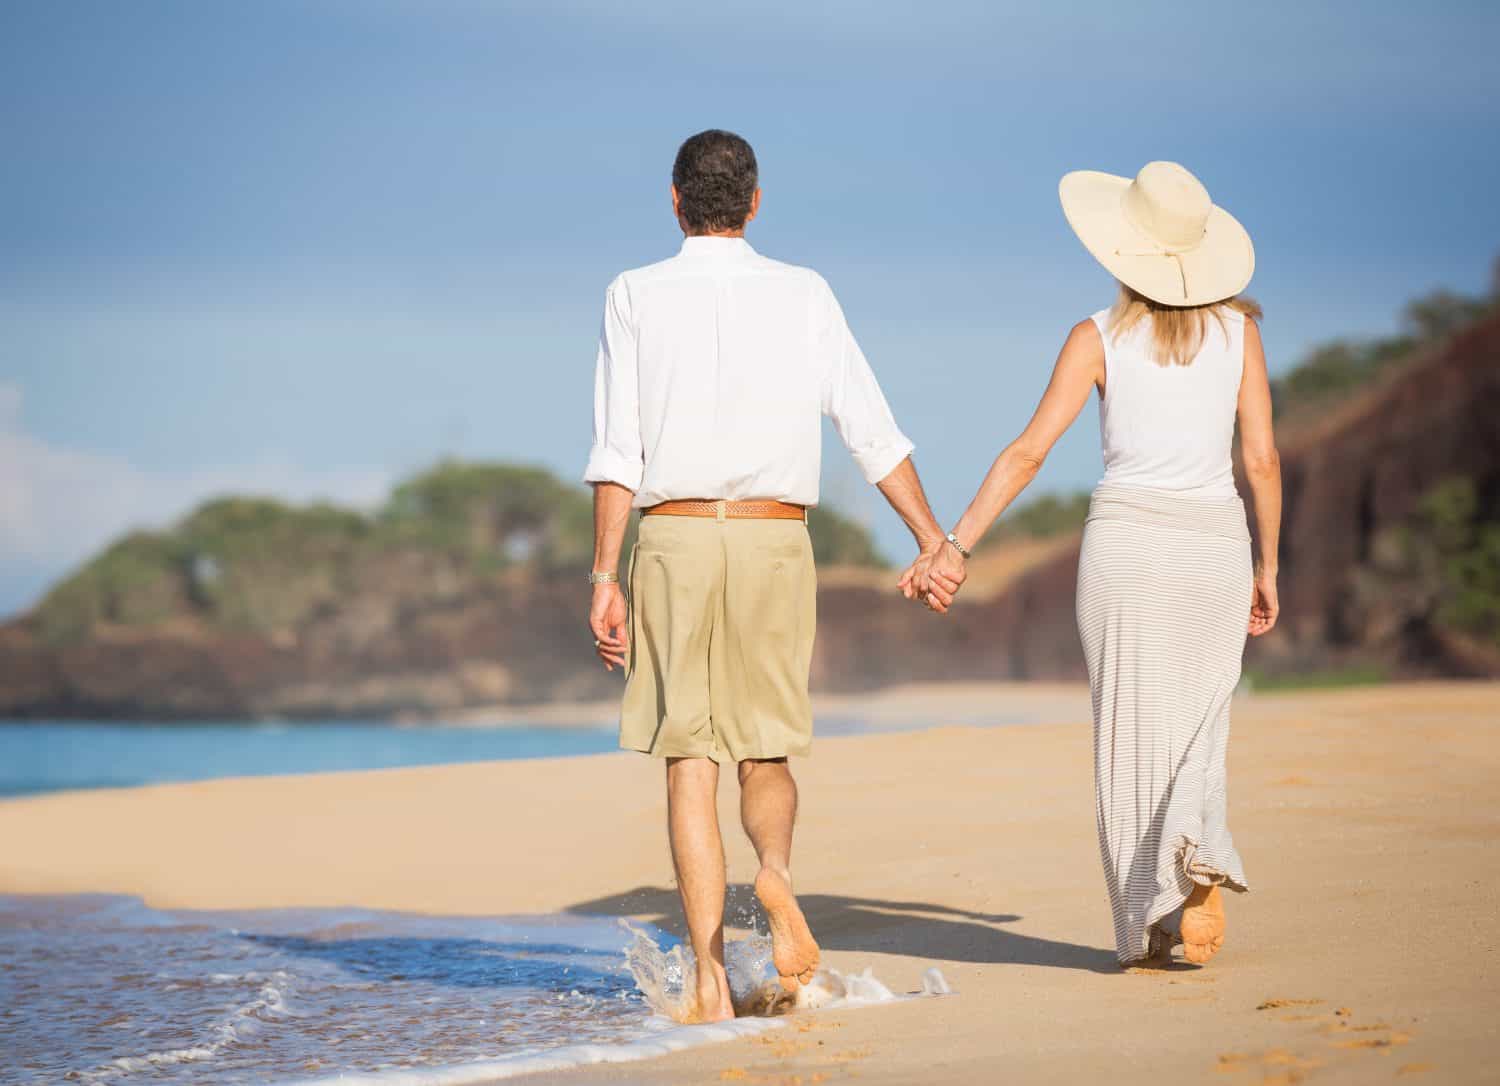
x=309, y=247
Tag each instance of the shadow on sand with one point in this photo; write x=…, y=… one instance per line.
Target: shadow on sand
x=914, y=928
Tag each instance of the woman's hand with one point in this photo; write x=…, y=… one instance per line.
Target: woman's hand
x=1263, y=603
x=607, y=618
x=935, y=577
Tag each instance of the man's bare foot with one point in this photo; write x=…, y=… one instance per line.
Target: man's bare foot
x=794, y=952
x=714, y=1003
x=1202, y=924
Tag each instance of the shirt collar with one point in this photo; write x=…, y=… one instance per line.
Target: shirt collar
x=716, y=248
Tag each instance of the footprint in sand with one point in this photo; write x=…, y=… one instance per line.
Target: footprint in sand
x=1389, y=1041
x=1276, y=1065
x=1338, y=1031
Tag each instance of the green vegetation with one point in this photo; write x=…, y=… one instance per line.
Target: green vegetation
x=135, y=581
x=840, y=540
x=1045, y=516
x=491, y=516
x=262, y=566
x=1341, y=366
x=1457, y=538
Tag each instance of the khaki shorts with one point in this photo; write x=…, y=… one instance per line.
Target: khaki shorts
x=722, y=617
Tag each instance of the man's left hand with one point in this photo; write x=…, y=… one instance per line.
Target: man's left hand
x=607, y=620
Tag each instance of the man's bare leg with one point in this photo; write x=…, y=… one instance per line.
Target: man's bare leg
x=698, y=856
x=768, y=810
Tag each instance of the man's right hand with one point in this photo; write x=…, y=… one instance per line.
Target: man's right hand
x=607, y=620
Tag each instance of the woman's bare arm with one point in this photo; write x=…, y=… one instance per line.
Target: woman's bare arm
x=1263, y=472
x=1078, y=371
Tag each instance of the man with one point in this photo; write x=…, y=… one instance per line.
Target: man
x=714, y=369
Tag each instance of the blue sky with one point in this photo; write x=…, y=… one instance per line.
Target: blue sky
x=308, y=247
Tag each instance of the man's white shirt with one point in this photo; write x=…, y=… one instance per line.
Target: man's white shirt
x=715, y=368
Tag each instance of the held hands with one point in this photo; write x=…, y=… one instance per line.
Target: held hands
x=1264, y=606
x=935, y=577
x=607, y=619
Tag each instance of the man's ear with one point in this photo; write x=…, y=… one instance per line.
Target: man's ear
x=677, y=211
x=754, y=206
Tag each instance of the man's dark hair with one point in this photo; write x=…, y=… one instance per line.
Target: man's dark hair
x=715, y=175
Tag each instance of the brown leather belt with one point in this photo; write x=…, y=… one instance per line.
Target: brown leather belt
x=723, y=510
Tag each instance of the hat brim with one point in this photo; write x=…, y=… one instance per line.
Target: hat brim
x=1218, y=267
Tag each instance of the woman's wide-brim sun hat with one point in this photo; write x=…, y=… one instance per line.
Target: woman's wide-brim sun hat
x=1159, y=233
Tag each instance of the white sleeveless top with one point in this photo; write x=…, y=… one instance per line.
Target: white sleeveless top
x=1171, y=427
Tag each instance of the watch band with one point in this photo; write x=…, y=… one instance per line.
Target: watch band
x=960, y=547
x=604, y=578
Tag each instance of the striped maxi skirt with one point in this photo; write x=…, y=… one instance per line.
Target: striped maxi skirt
x=1164, y=588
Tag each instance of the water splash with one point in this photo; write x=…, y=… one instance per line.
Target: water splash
x=665, y=977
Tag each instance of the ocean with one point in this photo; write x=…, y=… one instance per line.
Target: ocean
x=49, y=756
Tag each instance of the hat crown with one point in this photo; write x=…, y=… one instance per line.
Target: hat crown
x=1169, y=205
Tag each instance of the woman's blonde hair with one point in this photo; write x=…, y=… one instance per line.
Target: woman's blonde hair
x=1176, y=330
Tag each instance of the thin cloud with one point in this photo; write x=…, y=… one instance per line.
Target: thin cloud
x=59, y=504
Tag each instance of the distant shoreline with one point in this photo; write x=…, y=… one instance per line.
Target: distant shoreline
x=922, y=704
x=909, y=704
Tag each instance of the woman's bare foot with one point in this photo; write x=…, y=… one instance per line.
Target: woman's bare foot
x=794, y=952
x=714, y=1003
x=1158, y=954
x=1202, y=924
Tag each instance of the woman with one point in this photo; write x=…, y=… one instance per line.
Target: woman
x=1165, y=580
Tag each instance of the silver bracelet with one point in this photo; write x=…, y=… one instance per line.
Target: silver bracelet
x=604, y=578
x=960, y=547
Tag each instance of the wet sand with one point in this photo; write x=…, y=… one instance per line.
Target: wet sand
x=1366, y=951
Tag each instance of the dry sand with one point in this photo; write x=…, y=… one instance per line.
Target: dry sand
x=1366, y=952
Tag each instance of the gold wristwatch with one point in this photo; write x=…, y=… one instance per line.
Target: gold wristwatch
x=604, y=578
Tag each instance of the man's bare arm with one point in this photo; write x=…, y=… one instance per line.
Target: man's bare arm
x=903, y=489
x=611, y=517
x=608, y=613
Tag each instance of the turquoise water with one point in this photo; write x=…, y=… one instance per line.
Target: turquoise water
x=46, y=756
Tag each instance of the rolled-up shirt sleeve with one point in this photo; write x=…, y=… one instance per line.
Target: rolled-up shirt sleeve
x=851, y=396
x=616, y=456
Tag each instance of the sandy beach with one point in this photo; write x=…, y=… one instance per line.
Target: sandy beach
x=1366, y=951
